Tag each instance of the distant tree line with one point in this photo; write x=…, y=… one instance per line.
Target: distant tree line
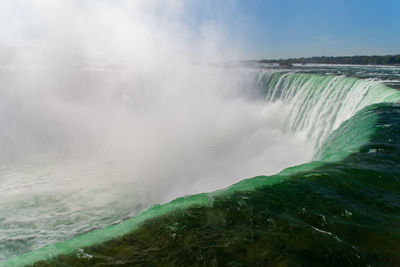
x=356, y=60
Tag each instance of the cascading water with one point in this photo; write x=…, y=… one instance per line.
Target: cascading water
x=320, y=104
x=334, y=114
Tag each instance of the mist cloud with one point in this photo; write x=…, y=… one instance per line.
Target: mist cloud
x=107, y=107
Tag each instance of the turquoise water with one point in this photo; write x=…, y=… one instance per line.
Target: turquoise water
x=341, y=208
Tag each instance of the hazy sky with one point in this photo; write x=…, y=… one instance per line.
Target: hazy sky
x=256, y=28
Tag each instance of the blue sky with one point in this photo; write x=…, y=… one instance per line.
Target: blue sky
x=294, y=28
x=258, y=28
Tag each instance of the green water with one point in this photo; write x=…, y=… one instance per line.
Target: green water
x=343, y=208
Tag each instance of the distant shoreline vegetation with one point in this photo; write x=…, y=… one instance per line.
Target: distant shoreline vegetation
x=352, y=60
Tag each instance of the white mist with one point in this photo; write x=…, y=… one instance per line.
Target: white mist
x=107, y=110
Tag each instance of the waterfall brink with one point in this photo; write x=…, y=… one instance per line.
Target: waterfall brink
x=318, y=104
x=334, y=116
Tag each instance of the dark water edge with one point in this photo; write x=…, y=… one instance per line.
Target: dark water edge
x=341, y=213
